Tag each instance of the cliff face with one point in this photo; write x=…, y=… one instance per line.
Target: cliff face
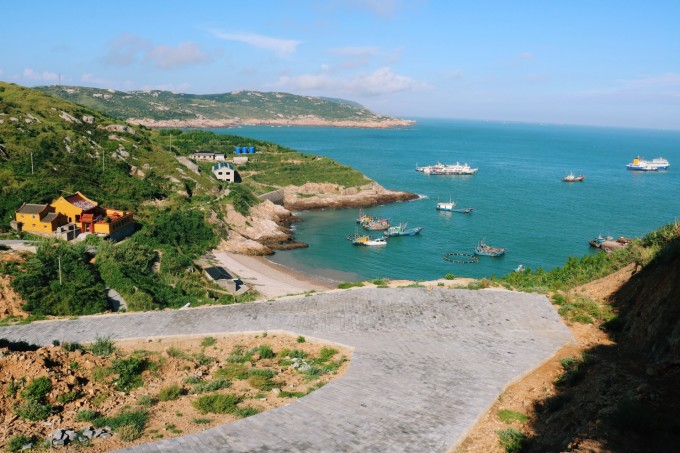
x=650, y=302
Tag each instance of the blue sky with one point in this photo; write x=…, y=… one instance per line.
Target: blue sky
x=609, y=63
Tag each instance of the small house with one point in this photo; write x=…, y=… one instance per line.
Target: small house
x=207, y=156
x=224, y=172
x=92, y=217
x=38, y=218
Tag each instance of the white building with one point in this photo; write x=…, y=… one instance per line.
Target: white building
x=207, y=155
x=224, y=172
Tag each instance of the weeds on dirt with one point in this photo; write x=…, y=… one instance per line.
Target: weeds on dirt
x=347, y=285
x=508, y=416
x=574, y=370
x=512, y=440
x=583, y=310
x=170, y=393
x=103, y=347
x=205, y=387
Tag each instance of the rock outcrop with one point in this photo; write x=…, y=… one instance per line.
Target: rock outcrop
x=267, y=228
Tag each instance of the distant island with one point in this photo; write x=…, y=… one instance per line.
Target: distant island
x=164, y=109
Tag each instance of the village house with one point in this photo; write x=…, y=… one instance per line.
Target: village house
x=224, y=172
x=91, y=217
x=81, y=213
x=207, y=156
x=38, y=219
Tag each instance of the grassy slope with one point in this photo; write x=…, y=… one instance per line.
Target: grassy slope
x=164, y=105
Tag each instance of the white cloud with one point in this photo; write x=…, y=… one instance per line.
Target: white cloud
x=30, y=74
x=660, y=87
x=126, y=49
x=282, y=47
x=379, y=82
x=166, y=57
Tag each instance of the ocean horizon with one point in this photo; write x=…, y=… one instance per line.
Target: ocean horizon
x=519, y=200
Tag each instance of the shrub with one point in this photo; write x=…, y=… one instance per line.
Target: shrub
x=37, y=389
x=86, y=415
x=128, y=433
x=208, y=341
x=146, y=400
x=265, y=352
x=232, y=371
x=574, y=370
x=103, y=347
x=215, y=384
x=217, y=403
x=129, y=373
x=137, y=418
x=240, y=355
x=449, y=276
x=68, y=397
x=326, y=353
x=300, y=339
x=347, y=285
x=177, y=353
x=170, y=393
x=33, y=410
x=261, y=382
x=512, y=440
x=16, y=443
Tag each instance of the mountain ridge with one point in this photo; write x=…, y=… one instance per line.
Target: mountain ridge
x=158, y=108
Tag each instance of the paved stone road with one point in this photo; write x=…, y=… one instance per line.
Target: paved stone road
x=426, y=364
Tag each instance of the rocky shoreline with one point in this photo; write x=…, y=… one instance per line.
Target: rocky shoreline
x=205, y=123
x=267, y=228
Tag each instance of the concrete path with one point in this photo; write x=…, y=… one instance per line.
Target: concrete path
x=426, y=364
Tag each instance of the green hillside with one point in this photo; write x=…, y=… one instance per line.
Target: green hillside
x=239, y=105
x=51, y=147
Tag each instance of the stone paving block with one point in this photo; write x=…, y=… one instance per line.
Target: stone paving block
x=426, y=364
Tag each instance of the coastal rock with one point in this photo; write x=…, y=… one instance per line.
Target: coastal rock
x=332, y=196
x=384, y=123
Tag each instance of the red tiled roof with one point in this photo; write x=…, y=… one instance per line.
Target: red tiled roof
x=79, y=202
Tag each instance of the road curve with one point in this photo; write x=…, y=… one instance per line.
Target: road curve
x=426, y=364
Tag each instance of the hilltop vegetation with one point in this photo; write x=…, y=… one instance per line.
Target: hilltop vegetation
x=51, y=147
x=163, y=108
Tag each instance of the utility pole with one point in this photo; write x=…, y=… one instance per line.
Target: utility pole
x=59, y=260
x=31, y=162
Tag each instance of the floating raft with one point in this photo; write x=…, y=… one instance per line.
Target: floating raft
x=461, y=258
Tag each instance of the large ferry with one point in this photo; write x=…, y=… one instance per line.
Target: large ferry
x=448, y=169
x=657, y=164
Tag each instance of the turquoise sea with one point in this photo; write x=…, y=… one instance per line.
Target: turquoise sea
x=519, y=199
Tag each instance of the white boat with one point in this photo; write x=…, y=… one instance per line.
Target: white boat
x=448, y=169
x=454, y=169
x=656, y=164
x=376, y=241
x=446, y=206
x=573, y=178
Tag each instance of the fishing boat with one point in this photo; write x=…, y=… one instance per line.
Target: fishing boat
x=376, y=223
x=376, y=242
x=656, y=164
x=446, y=206
x=401, y=230
x=519, y=268
x=572, y=178
x=483, y=249
x=450, y=206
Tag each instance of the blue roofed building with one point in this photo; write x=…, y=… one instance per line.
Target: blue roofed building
x=224, y=172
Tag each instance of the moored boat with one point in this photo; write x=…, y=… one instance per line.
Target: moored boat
x=376, y=223
x=484, y=249
x=656, y=164
x=401, y=230
x=376, y=242
x=445, y=205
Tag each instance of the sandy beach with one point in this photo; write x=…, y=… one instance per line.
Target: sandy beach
x=270, y=279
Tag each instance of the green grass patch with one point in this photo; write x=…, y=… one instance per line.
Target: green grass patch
x=217, y=404
x=583, y=310
x=211, y=386
x=208, y=341
x=512, y=440
x=103, y=347
x=170, y=393
x=574, y=370
x=508, y=416
x=265, y=352
x=347, y=285
x=232, y=372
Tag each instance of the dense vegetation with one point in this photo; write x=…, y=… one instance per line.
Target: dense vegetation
x=164, y=105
